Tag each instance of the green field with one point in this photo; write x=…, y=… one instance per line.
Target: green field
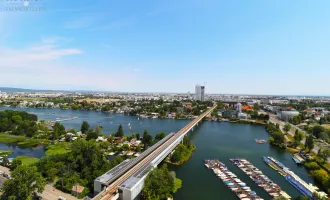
x=32, y=142
x=27, y=160
x=5, y=153
x=9, y=139
x=59, y=148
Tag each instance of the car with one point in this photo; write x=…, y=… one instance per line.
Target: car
x=61, y=198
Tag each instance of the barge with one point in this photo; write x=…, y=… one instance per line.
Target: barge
x=237, y=186
x=294, y=180
x=259, y=178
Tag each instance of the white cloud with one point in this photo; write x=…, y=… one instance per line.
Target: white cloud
x=44, y=66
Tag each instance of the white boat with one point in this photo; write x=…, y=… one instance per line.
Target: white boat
x=206, y=165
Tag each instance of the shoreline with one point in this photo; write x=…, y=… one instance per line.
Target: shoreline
x=182, y=162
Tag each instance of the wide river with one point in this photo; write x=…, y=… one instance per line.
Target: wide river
x=219, y=140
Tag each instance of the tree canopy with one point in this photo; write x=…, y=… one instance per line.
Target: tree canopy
x=84, y=127
x=158, y=185
x=25, y=180
x=147, y=139
x=309, y=142
x=120, y=131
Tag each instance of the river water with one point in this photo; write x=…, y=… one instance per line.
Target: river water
x=220, y=140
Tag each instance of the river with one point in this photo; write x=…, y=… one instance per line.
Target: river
x=220, y=140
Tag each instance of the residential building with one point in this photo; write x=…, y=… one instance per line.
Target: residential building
x=199, y=93
x=285, y=115
x=239, y=108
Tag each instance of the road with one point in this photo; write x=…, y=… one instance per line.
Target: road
x=51, y=193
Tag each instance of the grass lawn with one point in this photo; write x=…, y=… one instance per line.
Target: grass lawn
x=9, y=139
x=27, y=160
x=5, y=153
x=290, y=137
x=59, y=148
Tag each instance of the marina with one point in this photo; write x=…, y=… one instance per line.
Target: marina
x=303, y=187
x=240, y=188
x=259, y=178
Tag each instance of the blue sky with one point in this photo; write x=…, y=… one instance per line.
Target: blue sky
x=249, y=47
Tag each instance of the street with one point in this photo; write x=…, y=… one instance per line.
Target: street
x=51, y=193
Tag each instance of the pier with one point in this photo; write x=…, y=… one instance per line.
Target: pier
x=259, y=178
x=240, y=188
x=297, y=159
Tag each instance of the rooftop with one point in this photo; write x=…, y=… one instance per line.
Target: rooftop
x=105, y=178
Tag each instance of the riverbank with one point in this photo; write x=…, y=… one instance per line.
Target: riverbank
x=247, y=121
x=22, y=141
x=5, y=153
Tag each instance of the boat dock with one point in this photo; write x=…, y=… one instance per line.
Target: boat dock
x=294, y=180
x=240, y=188
x=259, y=178
x=297, y=159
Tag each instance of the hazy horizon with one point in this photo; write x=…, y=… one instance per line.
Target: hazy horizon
x=236, y=47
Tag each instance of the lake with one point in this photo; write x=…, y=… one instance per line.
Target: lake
x=220, y=140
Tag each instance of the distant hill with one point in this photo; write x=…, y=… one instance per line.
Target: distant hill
x=10, y=90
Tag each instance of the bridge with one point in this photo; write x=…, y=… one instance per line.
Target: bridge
x=128, y=177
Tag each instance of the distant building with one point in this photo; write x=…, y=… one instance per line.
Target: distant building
x=242, y=115
x=200, y=93
x=286, y=115
x=239, y=108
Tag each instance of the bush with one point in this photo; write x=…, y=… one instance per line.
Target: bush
x=312, y=165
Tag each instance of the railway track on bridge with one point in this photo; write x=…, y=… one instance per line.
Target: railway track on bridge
x=112, y=188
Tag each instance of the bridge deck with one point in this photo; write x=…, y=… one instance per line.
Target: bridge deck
x=153, y=153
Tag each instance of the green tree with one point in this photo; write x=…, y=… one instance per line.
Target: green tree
x=104, y=144
x=98, y=130
x=309, y=142
x=125, y=147
x=120, y=131
x=84, y=127
x=324, y=154
x=91, y=134
x=147, y=139
x=24, y=182
x=159, y=136
x=5, y=161
x=158, y=185
x=15, y=164
x=58, y=130
x=298, y=136
x=287, y=127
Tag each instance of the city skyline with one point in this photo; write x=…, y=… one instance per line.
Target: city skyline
x=266, y=48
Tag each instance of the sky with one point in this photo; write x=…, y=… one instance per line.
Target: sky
x=233, y=47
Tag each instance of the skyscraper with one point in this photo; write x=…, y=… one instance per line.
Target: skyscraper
x=199, y=92
x=239, y=107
